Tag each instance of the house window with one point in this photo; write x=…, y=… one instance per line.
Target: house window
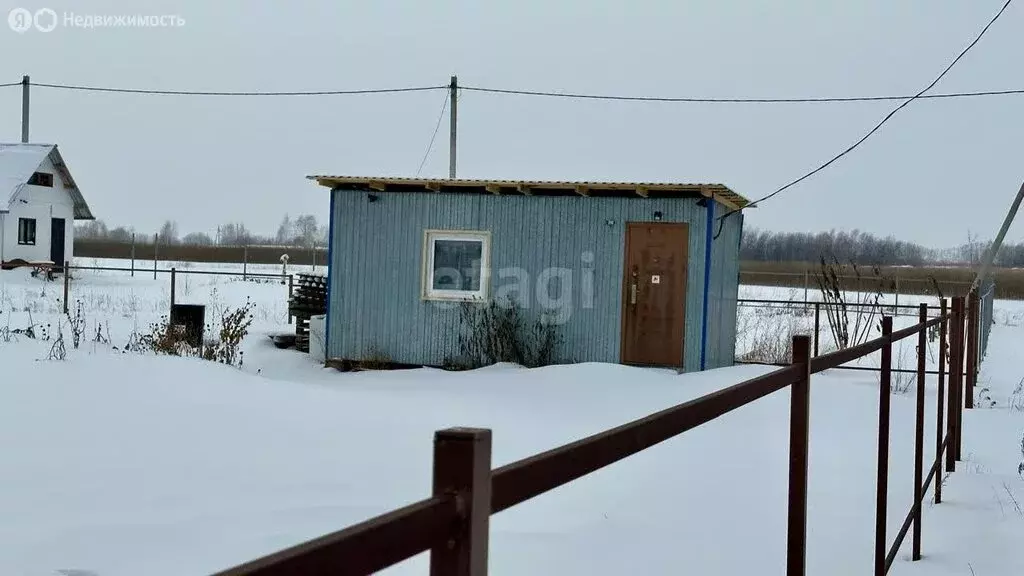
x=41, y=179
x=455, y=264
x=27, y=231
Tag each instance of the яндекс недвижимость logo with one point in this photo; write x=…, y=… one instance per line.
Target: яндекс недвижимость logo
x=22, y=20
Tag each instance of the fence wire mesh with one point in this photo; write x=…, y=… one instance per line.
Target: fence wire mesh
x=985, y=319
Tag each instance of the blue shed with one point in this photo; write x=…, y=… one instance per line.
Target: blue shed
x=632, y=273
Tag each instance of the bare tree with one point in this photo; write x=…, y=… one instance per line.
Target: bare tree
x=286, y=231
x=169, y=232
x=306, y=230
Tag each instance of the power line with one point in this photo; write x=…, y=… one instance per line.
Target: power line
x=884, y=120
x=579, y=96
x=549, y=94
x=444, y=106
x=201, y=93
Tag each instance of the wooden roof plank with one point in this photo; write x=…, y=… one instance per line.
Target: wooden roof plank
x=719, y=192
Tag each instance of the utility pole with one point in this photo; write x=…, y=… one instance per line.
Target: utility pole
x=990, y=254
x=453, y=96
x=24, y=108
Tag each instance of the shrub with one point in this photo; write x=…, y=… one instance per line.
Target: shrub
x=225, y=348
x=865, y=307
x=76, y=322
x=234, y=326
x=498, y=331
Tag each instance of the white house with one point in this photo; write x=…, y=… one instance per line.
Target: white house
x=43, y=201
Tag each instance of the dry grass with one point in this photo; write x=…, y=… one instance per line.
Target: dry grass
x=911, y=280
x=765, y=333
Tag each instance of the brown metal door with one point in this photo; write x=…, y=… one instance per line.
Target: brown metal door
x=654, y=293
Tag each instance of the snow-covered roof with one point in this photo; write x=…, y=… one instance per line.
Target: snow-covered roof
x=19, y=161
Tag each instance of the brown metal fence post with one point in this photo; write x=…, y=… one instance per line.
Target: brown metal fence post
x=133, y=255
x=156, y=252
x=817, y=326
x=799, y=429
x=173, y=284
x=245, y=261
x=882, y=480
x=462, y=466
x=67, y=284
x=939, y=432
x=972, y=348
x=958, y=366
x=953, y=388
x=922, y=351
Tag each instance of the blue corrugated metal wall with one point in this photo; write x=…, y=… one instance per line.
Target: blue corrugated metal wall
x=376, y=269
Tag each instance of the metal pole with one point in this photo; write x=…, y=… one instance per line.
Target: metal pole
x=133, y=254
x=954, y=398
x=462, y=465
x=882, y=479
x=156, y=250
x=453, y=116
x=245, y=262
x=807, y=283
x=25, y=83
x=939, y=432
x=896, y=307
x=173, y=278
x=799, y=431
x=972, y=348
x=817, y=326
x=922, y=351
x=961, y=314
x=291, y=285
x=990, y=254
x=67, y=285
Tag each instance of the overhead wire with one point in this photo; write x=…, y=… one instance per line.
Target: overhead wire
x=713, y=100
x=440, y=117
x=251, y=93
x=877, y=126
x=549, y=94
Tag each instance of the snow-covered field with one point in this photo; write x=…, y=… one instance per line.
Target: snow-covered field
x=121, y=464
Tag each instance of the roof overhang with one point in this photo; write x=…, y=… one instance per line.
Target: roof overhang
x=81, y=208
x=719, y=192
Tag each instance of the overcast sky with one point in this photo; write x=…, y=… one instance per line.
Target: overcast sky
x=939, y=170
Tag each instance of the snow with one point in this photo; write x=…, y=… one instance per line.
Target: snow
x=122, y=464
x=17, y=163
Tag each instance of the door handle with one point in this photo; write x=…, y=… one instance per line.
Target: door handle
x=632, y=293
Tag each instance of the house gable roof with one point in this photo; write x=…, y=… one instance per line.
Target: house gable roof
x=719, y=192
x=19, y=161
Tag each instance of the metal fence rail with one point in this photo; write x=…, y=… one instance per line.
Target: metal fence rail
x=462, y=467
x=985, y=301
x=173, y=274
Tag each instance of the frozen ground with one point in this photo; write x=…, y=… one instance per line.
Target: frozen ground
x=126, y=464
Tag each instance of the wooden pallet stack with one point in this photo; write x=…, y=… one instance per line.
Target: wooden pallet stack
x=308, y=299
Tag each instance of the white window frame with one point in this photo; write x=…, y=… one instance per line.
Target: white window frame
x=24, y=239
x=430, y=237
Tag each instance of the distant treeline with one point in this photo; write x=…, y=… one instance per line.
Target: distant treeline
x=302, y=231
x=865, y=249
x=180, y=252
